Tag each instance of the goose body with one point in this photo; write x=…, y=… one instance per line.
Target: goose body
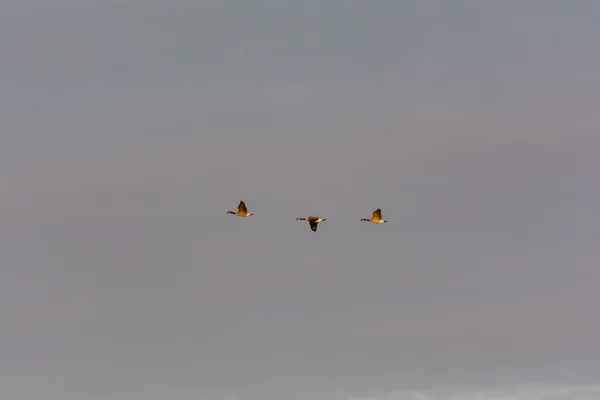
x=377, y=218
x=312, y=221
x=242, y=210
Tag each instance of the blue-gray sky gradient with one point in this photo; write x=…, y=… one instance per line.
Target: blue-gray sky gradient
x=130, y=128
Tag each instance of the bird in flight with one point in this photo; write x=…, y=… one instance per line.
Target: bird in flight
x=313, y=221
x=242, y=210
x=377, y=218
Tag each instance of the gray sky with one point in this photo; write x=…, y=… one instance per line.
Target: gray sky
x=130, y=128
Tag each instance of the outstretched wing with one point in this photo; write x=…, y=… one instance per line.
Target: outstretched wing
x=313, y=225
x=377, y=213
x=242, y=207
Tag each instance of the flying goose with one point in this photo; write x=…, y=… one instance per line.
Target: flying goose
x=242, y=210
x=313, y=221
x=377, y=219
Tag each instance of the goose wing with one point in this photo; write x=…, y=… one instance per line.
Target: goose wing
x=242, y=207
x=377, y=214
x=313, y=224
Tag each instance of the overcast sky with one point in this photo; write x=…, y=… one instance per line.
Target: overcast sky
x=130, y=128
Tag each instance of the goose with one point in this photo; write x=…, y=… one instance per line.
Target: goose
x=377, y=219
x=242, y=210
x=313, y=221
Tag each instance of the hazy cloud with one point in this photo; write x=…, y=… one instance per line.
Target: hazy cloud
x=129, y=129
